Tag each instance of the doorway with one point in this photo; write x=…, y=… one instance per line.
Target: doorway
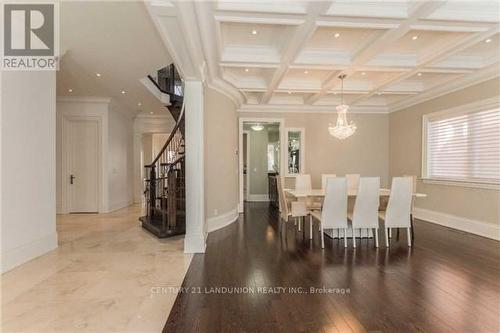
x=260, y=158
x=83, y=165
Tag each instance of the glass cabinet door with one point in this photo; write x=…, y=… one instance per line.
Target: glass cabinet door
x=295, y=151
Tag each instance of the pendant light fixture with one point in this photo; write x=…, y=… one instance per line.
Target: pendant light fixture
x=342, y=128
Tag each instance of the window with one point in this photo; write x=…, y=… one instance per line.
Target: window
x=462, y=146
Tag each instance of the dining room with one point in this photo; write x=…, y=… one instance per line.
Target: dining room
x=383, y=214
x=365, y=231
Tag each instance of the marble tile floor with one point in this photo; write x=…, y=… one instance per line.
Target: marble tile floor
x=103, y=277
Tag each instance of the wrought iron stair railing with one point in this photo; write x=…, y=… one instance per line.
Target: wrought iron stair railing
x=165, y=192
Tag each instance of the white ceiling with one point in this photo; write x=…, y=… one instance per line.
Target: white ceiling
x=287, y=55
x=119, y=41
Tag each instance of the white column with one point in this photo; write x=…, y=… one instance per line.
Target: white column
x=194, y=241
x=28, y=160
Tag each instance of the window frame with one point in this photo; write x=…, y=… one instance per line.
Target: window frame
x=483, y=105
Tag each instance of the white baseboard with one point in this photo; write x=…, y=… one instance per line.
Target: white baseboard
x=217, y=222
x=21, y=254
x=119, y=205
x=258, y=197
x=483, y=229
x=194, y=243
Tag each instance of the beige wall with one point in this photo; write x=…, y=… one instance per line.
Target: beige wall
x=366, y=152
x=221, y=161
x=406, y=158
x=158, y=141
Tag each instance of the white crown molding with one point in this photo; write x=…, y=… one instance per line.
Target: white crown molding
x=270, y=108
x=83, y=99
x=229, y=91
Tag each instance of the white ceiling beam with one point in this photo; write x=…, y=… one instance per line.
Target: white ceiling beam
x=435, y=57
x=259, y=18
x=300, y=37
x=373, y=46
x=248, y=64
x=459, y=45
x=386, y=31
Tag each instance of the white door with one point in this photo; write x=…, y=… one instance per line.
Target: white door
x=83, y=173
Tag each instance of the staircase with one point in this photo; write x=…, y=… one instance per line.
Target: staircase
x=165, y=185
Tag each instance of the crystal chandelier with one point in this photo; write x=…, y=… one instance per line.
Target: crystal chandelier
x=342, y=129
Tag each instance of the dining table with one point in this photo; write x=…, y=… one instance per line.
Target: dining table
x=304, y=195
x=320, y=193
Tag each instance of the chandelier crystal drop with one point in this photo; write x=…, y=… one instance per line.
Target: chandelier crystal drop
x=342, y=129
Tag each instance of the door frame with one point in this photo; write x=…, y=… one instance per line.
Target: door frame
x=66, y=158
x=247, y=157
x=242, y=120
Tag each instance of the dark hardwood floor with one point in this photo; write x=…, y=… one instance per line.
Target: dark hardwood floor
x=448, y=282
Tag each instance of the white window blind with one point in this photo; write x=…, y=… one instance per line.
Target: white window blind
x=464, y=147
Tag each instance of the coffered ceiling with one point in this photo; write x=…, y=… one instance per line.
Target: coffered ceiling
x=279, y=55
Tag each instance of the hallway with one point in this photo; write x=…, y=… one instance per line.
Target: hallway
x=448, y=282
x=100, y=278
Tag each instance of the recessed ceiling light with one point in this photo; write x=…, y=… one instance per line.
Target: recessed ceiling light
x=123, y=92
x=70, y=90
x=246, y=69
x=488, y=40
x=305, y=72
x=419, y=74
x=415, y=37
x=337, y=35
x=363, y=73
x=98, y=74
x=139, y=104
x=254, y=32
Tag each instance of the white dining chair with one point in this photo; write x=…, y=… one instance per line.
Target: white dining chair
x=365, y=214
x=398, y=210
x=303, y=182
x=295, y=209
x=352, y=182
x=413, y=191
x=352, y=187
x=333, y=215
x=325, y=177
